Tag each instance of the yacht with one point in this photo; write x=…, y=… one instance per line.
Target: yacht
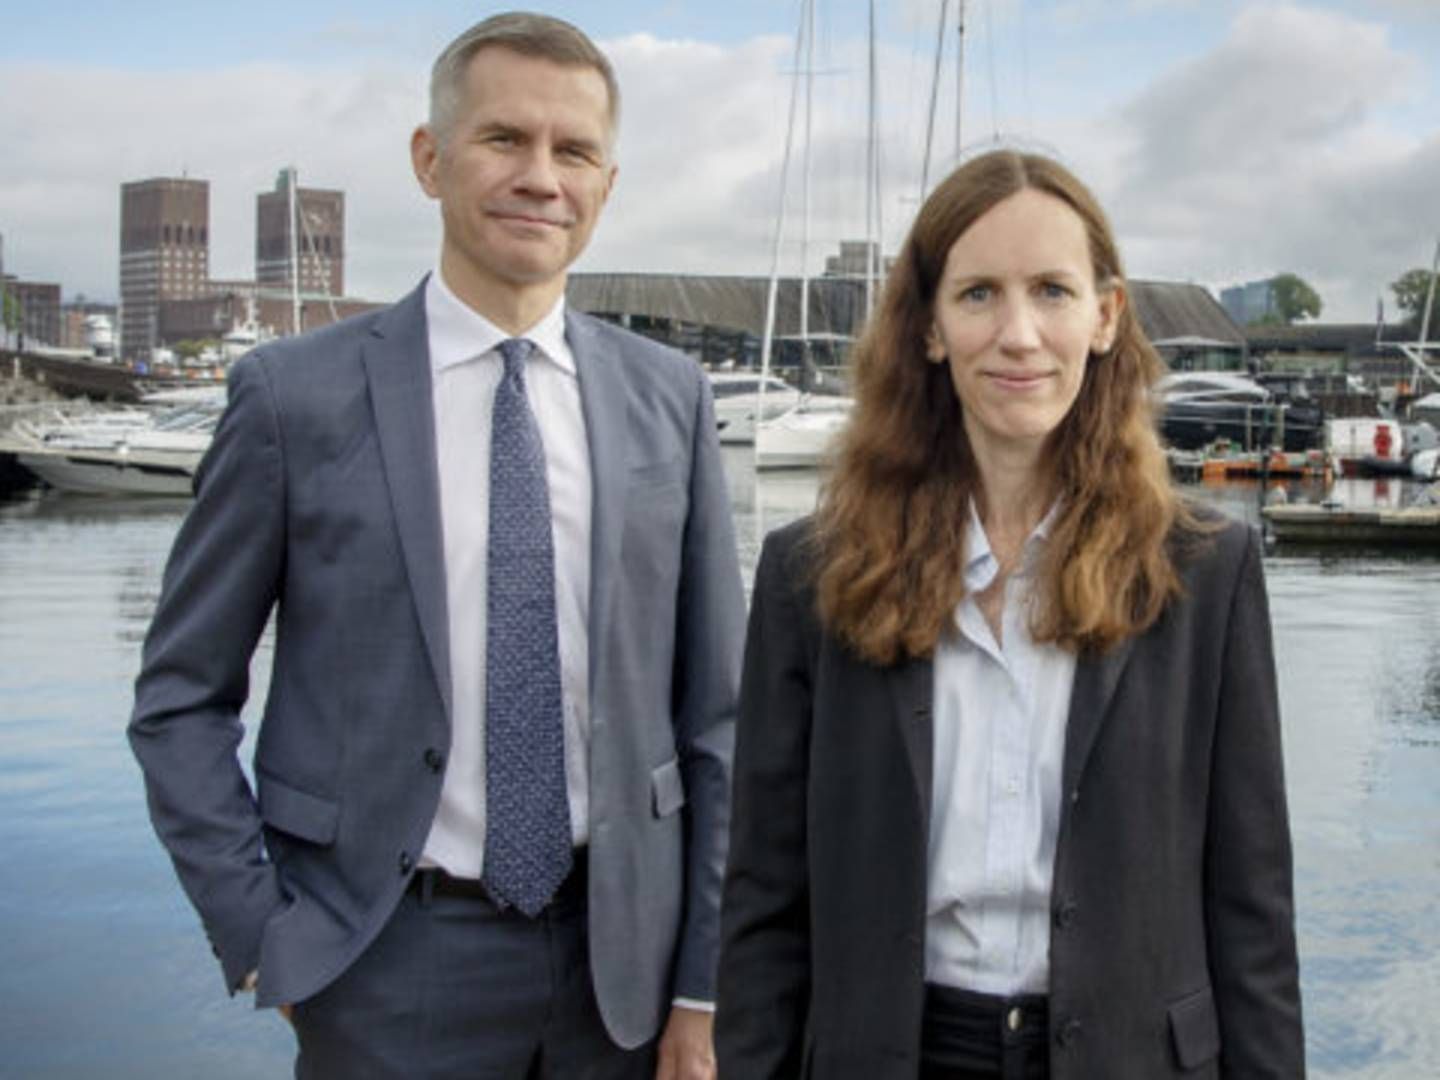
x=1199, y=407
x=800, y=438
x=739, y=401
x=151, y=451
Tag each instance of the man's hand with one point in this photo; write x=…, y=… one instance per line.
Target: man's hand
x=687, y=1046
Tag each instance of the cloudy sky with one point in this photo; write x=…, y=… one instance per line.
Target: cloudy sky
x=1230, y=139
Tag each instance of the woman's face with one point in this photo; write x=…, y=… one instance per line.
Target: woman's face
x=1017, y=314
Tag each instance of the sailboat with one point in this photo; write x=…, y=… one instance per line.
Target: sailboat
x=801, y=437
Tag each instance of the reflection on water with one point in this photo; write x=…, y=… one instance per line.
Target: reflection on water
x=95, y=921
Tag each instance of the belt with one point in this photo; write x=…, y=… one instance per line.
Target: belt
x=433, y=881
x=1011, y=1017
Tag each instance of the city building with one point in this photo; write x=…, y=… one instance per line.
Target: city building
x=39, y=304
x=1250, y=302
x=318, y=228
x=855, y=258
x=164, y=254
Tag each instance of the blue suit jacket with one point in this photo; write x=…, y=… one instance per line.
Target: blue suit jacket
x=319, y=500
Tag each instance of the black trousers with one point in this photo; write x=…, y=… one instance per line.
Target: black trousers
x=456, y=989
x=970, y=1036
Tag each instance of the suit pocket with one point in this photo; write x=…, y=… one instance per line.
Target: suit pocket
x=667, y=789
x=1195, y=1029
x=292, y=811
x=656, y=476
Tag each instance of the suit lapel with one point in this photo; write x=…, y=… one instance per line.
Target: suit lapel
x=397, y=365
x=912, y=693
x=1096, y=677
x=602, y=397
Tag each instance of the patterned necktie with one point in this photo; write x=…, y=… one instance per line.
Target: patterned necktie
x=527, y=828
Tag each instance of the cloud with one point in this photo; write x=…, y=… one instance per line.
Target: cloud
x=1272, y=150
x=236, y=127
x=1268, y=153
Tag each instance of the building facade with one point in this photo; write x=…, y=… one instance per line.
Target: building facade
x=318, y=227
x=164, y=254
x=39, y=304
x=1249, y=303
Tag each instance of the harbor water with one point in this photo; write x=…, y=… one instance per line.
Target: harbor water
x=104, y=970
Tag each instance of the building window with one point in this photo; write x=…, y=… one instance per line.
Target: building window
x=165, y=234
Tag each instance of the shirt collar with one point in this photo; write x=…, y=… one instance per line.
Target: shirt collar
x=981, y=566
x=458, y=333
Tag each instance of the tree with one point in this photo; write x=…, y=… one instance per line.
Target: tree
x=1411, y=289
x=1294, y=298
x=13, y=316
x=190, y=348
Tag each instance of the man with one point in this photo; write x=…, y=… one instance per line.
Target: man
x=491, y=792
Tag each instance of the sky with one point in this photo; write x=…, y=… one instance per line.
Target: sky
x=1229, y=140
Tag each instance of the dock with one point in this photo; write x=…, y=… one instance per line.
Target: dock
x=1216, y=465
x=1416, y=526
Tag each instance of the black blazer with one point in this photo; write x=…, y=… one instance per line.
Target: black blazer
x=1172, y=947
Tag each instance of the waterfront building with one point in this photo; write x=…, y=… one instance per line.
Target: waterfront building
x=318, y=229
x=39, y=304
x=720, y=319
x=164, y=254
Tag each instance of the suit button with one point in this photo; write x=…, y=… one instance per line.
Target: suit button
x=406, y=863
x=1065, y=914
x=434, y=760
x=1069, y=1033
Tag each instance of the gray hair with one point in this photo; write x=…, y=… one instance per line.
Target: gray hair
x=523, y=32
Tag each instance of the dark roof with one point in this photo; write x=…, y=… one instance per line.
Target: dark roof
x=1177, y=309
x=727, y=303
x=1166, y=309
x=1349, y=338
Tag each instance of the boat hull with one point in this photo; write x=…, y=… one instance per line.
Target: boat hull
x=112, y=474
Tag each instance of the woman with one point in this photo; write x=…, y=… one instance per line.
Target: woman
x=1009, y=798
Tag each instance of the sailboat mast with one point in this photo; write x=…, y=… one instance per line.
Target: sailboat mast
x=1429, y=299
x=767, y=342
x=805, y=197
x=871, y=179
x=934, y=99
x=294, y=255
x=959, y=77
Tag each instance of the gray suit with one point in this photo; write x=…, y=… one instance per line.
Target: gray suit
x=319, y=498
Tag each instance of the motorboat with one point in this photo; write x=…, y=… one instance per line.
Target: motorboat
x=1198, y=408
x=153, y=451
x=739, y=400
x=800, y=438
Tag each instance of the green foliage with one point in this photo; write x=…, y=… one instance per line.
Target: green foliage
x=14, y=313
x=1294, y=298
x=1410, y=290
x=190, y=348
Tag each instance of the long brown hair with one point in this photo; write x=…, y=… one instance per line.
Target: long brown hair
x=892, y=518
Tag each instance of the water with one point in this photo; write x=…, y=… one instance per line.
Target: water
x=105, y=971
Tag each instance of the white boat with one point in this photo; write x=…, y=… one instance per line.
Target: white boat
x=738, y=401
x=121, y=452
x=801, y=437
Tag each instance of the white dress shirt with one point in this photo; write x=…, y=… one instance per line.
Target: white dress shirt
x=466, y=368
x=1000, y=714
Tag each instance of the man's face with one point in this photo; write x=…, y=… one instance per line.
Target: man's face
x=522, y=173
